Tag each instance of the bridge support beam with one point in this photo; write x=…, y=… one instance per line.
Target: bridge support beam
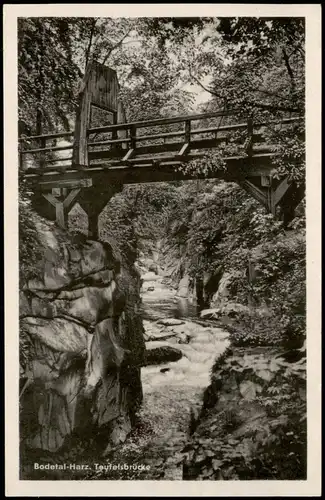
x=93, y=201
x=278, y=197
x=62, y=200
x=55, y=204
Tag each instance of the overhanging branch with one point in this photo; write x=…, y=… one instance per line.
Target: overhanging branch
x=270, y=107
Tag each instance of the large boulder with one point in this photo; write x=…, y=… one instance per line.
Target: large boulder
x=184, y=289
x=153, y=268
x=170, y=322
x=82, y=343
x=161, y=354
x=231, y=310
x=224, y=292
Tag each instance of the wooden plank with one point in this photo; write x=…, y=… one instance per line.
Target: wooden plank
x=99, y=88
x=109, y=141
x=121, y=117
x=249, y=142
x=103, y=108
x=266, y=181
x=42, y=157
x=254, y=191
x=160, y=121
x=47, y=149
x=60, y=214
x=114, y=132
x=55, y=160
x=71, y=198
x=55, y=135
x=35, y=176
x=270, y=200
x=103, y=86
x=184, y=149
x=124, y=124
x=257, y=137
x=281, y=190
x=163, y=135
x=222, y=128
x=104, y=174
x=156, y=148
x=188, y=131
x=51, y=199
x=80, y=147
x=165, y=148
x=66, y=183
x=133, y=137
x=128, y=155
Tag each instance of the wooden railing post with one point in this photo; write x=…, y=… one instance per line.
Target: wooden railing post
x=188, y=131
x=114, y=131
x=80, y=146
x=133, y=144
x=133, y=137
x=42, y=158
x=249, y=140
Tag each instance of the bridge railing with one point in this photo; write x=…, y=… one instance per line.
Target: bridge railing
x=35, y=149
x=189, y=140
x=136, y=142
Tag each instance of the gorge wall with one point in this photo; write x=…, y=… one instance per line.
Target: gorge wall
x=81, y=343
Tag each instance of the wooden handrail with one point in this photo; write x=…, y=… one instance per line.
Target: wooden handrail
x=162, y=121
x=46, y=150
x=159, y=121
x=55, y=135
x=109, y=141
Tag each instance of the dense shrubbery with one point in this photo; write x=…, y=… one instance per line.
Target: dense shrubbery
x=30, y=246
x=254, y=409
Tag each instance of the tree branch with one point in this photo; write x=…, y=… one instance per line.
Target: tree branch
x=270, y=107
x=116, y=46
x=272, y=94
x=90, y=41
x=289, y=69
x=212, y=92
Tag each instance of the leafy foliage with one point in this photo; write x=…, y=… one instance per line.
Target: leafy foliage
x=243, y=436
x=30, y=245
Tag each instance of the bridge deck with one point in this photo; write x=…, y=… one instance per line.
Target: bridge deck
x=138, y=155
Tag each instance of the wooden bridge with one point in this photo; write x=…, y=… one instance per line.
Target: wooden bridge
x=103, y=158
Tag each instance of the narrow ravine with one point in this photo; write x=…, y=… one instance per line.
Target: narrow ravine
x=172, y=391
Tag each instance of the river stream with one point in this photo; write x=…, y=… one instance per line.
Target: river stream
x=172, y=391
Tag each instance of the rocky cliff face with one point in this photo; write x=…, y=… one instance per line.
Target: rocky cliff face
x=81, y=344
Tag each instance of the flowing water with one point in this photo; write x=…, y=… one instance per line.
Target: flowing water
x=172, y=391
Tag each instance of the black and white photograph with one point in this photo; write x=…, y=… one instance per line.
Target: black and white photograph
x=162, y=270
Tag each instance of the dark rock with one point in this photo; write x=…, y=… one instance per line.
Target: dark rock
x=153, y=268
x=163, y=354
x=85, y=346
x=170, y=322
x=150, y=288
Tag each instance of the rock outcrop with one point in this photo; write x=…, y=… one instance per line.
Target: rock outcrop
x=161, y=354
x=82, y=344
